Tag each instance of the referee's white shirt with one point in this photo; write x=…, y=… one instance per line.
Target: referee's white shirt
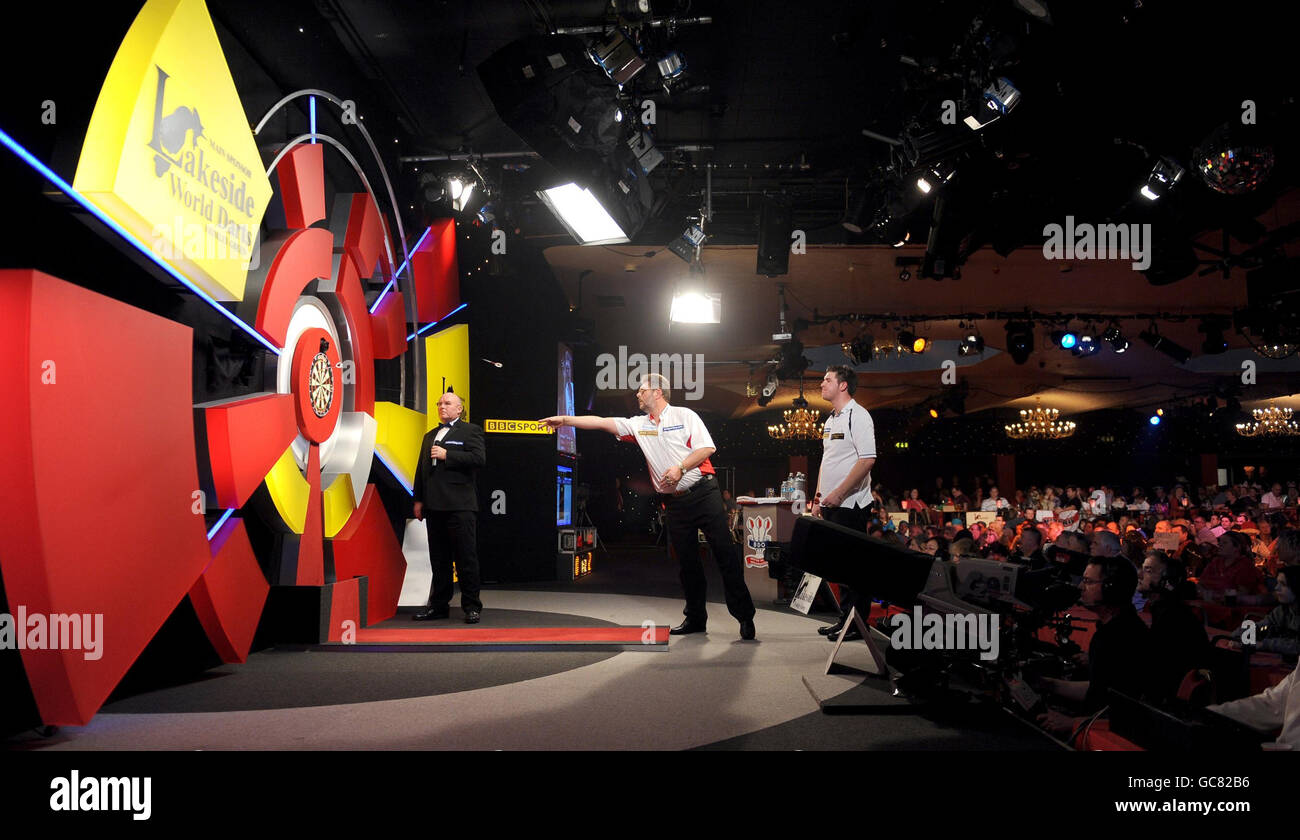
x=666, y=441
x=849, y=436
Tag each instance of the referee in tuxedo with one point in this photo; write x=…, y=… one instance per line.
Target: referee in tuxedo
x=446, y=498
x=677, y=447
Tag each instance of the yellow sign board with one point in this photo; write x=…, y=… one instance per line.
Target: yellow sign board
x=517, y=427
x=169, y=153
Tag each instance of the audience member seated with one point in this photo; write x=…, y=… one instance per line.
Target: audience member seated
x=1231, y=576
x=994, y=502
x=1119, y=656
x=1030, y=547
x=1279, y=632
x=1178, y=640
x=1105, y=544
x=914, y=501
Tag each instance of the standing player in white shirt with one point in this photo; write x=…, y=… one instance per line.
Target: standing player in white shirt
x=677, y=447
x=844, y=479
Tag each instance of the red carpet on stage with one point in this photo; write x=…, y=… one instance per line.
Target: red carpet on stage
x=510, y=635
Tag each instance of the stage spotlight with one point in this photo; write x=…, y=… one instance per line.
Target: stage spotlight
x=1065, y=339
x=460, y=191
x=1174, y=351
x=971, y=345
x=1164, y=176
x=1115, y=339
x=999, y=98
x=912, y=342
x=937, y=175
x=1214, y=344
x=687, y=245
x=934, y=414
x=856, y=214
x=1154, y=419
x=583, y=214
x=1087, y=346
x=1036, y=9
x=618, y=57
x=672, y=71
x=859, y=350
x=1020, y=340
x=697, y=308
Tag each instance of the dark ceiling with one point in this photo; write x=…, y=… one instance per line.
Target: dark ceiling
x=778, y=97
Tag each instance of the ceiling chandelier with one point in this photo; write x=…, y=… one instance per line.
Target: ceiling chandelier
x=1040, y=423
x=799, y=423
x=1271, y=421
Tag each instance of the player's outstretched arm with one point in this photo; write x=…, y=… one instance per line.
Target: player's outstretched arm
x=586, y=421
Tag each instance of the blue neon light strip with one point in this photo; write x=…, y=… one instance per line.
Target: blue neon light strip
x=428, y=327
x=400, y=269
x=28, y=158
x=312, y=100
x=395, y=473
x=220, y=522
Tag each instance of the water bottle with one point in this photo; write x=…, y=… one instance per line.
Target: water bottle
x=800, y=485
x=787, y=487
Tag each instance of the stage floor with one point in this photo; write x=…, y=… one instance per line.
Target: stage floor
x=706, y=690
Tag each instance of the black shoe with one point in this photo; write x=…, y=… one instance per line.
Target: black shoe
x=831, y=629
x=472, y=616
x=747, y=630
x=687, y=626
x=431, y=614
x=852, y=635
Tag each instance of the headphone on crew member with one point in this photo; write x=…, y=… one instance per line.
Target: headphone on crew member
x=1175, y=570
x=1119, y=580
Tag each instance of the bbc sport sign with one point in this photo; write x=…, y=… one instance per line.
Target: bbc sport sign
x=517, y=427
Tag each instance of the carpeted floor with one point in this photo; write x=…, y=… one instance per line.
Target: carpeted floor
x=710, y=690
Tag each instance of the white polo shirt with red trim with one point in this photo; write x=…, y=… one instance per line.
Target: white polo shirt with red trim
x=666, y=441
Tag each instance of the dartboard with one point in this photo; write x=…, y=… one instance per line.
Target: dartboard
x=320, y=385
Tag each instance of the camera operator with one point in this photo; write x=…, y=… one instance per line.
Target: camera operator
x=1119, y=654
x=1178, y=640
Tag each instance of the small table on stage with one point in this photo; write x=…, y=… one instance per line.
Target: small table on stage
x=766, y=520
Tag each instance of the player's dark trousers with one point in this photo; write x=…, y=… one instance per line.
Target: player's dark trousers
x=701, y=508
x=452, y=535
x=855, y=518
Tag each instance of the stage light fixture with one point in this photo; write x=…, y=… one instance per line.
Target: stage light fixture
x=1154, y=419
x=1020, y=340
x=1174, y=351
x=1000, y=97
x=912, y=342
x=1215, y=343
x=697, y=308
x=583, y=215
x=1087, y=346
x=1115, y=338
x=619, y=58
x=687, y=246
x=971, y=345
x=1065, y=339
x=1164, y=176
x=672, y=71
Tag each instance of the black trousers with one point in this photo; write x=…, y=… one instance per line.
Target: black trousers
x=857, y=519
x=701, y=508
x=452, y=538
